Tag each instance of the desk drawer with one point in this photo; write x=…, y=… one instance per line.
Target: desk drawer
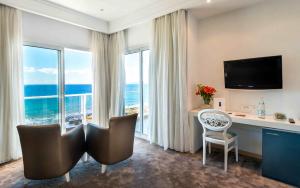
x=281, y=156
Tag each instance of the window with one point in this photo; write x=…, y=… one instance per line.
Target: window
x=137, y=88
x=41, y=85
x=57, y=90
x=146, y=59
x=78, y=86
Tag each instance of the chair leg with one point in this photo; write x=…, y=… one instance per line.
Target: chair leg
x=209, y=147
x=85, y=157
x=225, y=156
x=204, y=151
x=67, y=177
x=236, y=151
x=103, y=168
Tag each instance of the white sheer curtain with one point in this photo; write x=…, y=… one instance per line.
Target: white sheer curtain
x=168, y=90
x=116, y=52
x=101, y=85
x=109, y=74
x=11, y=84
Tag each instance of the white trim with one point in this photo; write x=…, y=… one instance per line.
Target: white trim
x=60, y=76
x=136, y=49
x=40, y=45
x=141, y=87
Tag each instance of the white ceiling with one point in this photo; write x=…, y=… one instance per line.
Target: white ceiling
x=112, y=9
x=215, y=8
x=121, y=14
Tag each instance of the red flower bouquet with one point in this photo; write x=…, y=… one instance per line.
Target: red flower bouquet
x=206, y=92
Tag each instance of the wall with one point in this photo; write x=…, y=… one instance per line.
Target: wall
x=139, y=36
x=42, y=30
x=192, y=61
x=270, y=28
x=265, y=29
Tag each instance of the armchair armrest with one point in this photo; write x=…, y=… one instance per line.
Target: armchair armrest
x=73, y=146
x=97, y=142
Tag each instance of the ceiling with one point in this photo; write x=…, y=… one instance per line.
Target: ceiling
x=220, y=7
x=113, y=15
x=107, y=10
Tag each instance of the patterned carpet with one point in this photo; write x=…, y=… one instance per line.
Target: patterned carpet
x=150, y=166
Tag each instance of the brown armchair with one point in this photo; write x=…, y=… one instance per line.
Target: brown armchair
x=112, y=145
x=48, y=154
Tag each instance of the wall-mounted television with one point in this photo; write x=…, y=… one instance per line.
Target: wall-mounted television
x=254, y=73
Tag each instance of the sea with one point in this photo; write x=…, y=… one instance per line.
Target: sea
x=42, y=103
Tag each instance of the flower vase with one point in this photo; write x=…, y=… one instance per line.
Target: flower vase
x=206, y=103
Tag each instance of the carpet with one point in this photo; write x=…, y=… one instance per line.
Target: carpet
x=151, y=166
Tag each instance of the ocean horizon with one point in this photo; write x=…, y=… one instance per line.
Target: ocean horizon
x=42, y=105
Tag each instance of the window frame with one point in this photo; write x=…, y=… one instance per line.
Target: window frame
x=140, y=51
x=61, y=76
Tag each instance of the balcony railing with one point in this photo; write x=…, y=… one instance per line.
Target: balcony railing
x=76, y=112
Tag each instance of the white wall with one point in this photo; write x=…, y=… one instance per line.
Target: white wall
x=46, y=31
x=139, y=36
x=270, y=28
x=42, y=30
x=265, y=29
x=192, y=61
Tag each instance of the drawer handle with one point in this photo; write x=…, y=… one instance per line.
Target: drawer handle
x=273, y=134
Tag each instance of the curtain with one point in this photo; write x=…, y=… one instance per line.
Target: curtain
x=116, y=61
x=11, y=84
x=168, y=91
x=109, y=74
x=101, y=84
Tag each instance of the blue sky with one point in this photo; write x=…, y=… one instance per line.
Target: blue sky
x=41, y=66
x=132, y=68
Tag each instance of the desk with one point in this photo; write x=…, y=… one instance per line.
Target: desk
x=250, y=120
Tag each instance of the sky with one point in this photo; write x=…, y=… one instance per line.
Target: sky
x=132, y=68
x=41, y=66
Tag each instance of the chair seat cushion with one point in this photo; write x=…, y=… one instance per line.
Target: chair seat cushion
x=219, y=135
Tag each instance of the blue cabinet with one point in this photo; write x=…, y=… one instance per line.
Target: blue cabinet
x=281, y=156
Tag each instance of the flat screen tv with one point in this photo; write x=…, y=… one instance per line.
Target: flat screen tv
x=254, y=73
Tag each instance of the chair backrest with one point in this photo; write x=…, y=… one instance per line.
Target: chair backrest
x=121, y=136
x=40, y=149
x=214, y=120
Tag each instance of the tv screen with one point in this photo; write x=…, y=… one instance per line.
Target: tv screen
x=255, y=73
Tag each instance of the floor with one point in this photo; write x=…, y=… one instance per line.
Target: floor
x=151, y=166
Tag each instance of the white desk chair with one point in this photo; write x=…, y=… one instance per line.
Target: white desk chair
x=215, y=125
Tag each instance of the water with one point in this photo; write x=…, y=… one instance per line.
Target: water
x=45, y=110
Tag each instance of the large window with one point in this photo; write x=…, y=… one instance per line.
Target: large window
x=57, y=86
x=41, y=85
x=137, y=88
x=78, y=86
